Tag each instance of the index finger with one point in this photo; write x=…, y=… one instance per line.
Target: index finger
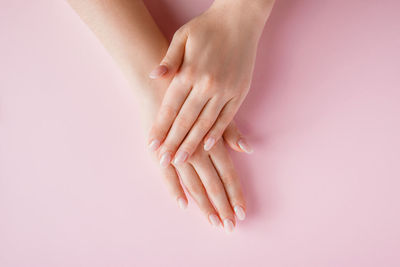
x=170, y=106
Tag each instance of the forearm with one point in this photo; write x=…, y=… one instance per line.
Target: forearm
x=128, y=32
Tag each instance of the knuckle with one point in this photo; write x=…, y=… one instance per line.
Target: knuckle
x=217, y=132
x=195, y=191
x=215, y=190
x=209, y=84
x=208, y=79
x=223, y=121
x=187, y=75
x=183, y=122
x=204, y=124
x=229, y=180
x=167, y=111
x=227, y=92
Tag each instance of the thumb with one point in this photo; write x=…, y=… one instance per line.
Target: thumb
x=174, y=56
x=235, y=139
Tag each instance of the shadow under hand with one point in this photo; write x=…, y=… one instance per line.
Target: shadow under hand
x=269, y=75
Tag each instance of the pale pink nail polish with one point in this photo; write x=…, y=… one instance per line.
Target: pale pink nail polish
x=209, y=143
x=228, y=225
x=165, y=160
x=158, y=72
x=214, y=220
x=246, y=147
x=182, y=203
x=239, y=211
x=180, y=157
x=154, y=145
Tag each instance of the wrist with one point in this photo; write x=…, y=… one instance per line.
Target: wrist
x=148, y=95
x=254, y=11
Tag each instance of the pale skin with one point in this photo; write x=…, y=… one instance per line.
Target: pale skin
x=212, y=60
x=130, y=35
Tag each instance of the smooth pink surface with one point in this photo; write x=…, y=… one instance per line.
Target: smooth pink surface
x=323, y=115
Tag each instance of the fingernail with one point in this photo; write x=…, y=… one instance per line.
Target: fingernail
x=182, y=203
x=240, y=214
x=158, y=72
x=154, y=145
x=228, y=225
x=214, y=220
x=180, y=157
x=165, y=160
x=246, y=147
x=209, y=143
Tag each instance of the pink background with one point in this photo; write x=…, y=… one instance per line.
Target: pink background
x=323, y=115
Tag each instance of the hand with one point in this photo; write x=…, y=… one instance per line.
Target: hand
x=209, y=177
x=211, y=180
x=212, y=58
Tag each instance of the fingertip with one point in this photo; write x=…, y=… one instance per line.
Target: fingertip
x=158, y=72
x=214, y=220
x=233, y=145
x=228, y=226
x=182, y=203
x=165, y=160
x=154, y=145
x=209, y=143
x=245, y=146
x=239, y=212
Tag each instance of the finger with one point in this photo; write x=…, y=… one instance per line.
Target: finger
x=183, y=123
x=226, y=171
x=173, y=58
x=223, y=120
x=170, y=106
x=174, y=186
x=215, y=190
x=195, y=188
x=200, y=128
x=235, y=139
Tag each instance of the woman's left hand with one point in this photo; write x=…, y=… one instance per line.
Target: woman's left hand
x=212, y=60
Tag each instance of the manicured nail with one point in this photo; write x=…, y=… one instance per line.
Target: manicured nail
x=209, y=143
x=165, y=160
x=154, y=145
x=228, y=225
x=240, y=214
x=180, y=157
x=158, y=72
x=246, y=147
x=214, y=220
x=182, y=203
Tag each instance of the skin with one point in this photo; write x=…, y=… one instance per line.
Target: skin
x=130, y=35
x=212, y=60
